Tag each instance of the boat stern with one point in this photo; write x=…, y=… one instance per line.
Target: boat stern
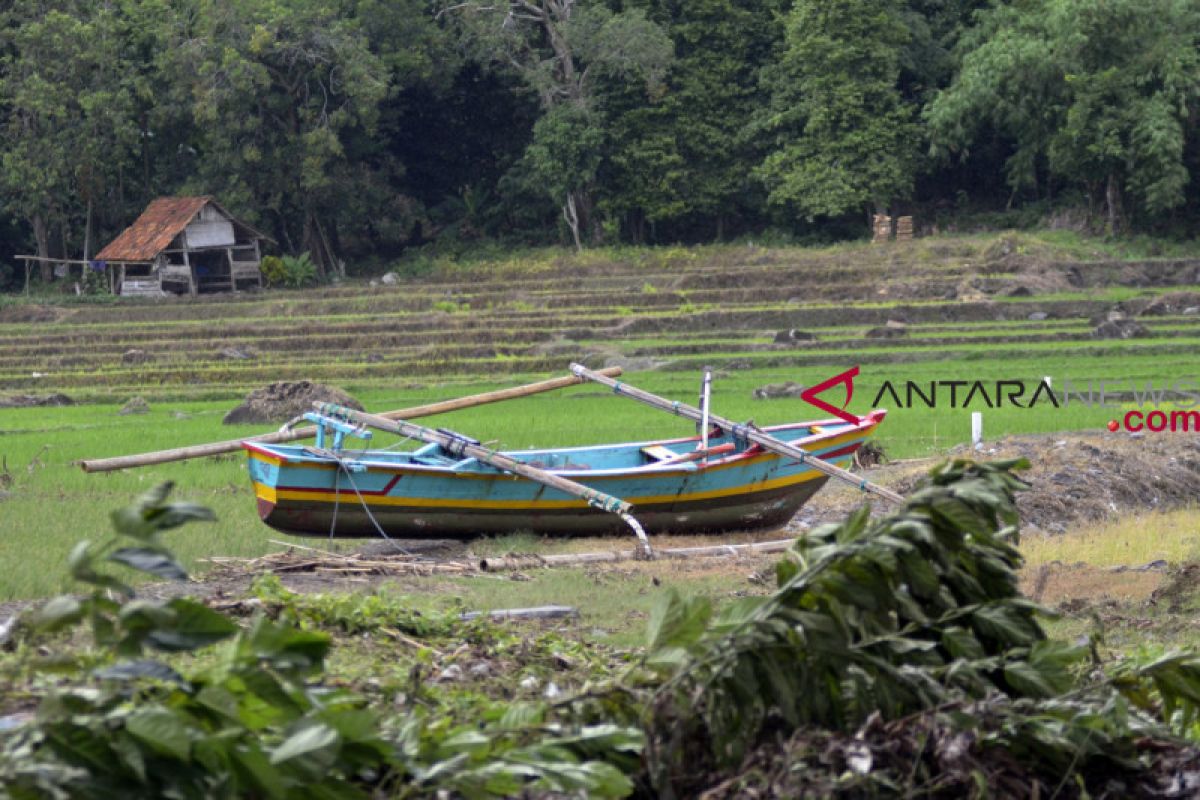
x=264, y=468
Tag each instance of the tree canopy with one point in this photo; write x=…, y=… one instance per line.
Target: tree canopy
x=357, y=129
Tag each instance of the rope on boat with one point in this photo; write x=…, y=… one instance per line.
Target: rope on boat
x=459, y=445
x=341, y=467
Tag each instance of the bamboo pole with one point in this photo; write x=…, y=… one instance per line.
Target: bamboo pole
x=457, y=445
x=518, y=562
x=764, y=440
x=535, y=612
x=233, y=445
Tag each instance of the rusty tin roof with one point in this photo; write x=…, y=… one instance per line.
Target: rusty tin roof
x=157, y=227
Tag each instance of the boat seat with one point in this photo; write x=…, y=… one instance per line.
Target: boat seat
x=658, y=452
x=668, y=457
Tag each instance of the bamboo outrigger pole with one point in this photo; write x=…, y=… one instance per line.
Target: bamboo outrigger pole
x=460, y=446
x=233, y=445
x=764, y=440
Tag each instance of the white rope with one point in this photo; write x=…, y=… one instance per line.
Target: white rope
x=337, y=497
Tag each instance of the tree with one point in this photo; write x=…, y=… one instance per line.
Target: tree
x=69, y=127
x=844, y=137
x=1102, y=93
x=278, y=89
x=561, y=50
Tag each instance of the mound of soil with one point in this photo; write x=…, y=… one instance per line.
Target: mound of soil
x=1172, y=303
x=30, y=400
x=900, y=755
x=793, y=335
x=774, y=390
x=1074, y=478
x=285, y=400
x=1120, y=329
x=136, y=356
x=1084, y=477
x=135, y=405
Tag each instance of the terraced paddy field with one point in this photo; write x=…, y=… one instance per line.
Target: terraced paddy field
x=988, y=309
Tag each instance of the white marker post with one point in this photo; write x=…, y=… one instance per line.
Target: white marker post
x=976, y=429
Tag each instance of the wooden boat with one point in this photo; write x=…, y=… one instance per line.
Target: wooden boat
x=431, y=493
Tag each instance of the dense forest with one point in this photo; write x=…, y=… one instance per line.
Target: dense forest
x=359, y=129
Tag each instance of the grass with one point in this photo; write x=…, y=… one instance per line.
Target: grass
x=52, y=502
x=530, y=296
x=1173, y=537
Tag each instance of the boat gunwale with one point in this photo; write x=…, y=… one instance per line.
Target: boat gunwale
x=864, y=426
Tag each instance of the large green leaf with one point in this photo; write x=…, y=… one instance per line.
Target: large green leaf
x=256, y=771
x=308, y=742
x=160, y=730
x=141, y=669
x=288, y=649
x=195, y=625
x=676, y=621
x=151, y=514
x=56, y=613
x=154, y=562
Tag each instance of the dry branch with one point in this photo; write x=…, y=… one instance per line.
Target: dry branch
x=518, y=561
x=298, y=558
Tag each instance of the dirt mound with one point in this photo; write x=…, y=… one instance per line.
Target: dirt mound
x=30, y=400
x=925, y=754
x=1074, y=478
x=1120, y=329
x=1085, y=477
x=136, y=405
x=1172, y=303
x=282, y=401
x=774, y=390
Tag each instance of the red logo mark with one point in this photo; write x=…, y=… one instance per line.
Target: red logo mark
x=809, y=395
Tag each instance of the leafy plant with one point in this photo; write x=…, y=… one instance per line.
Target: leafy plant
x=915, y=614
x=254, y=721
x=299, y=271
x=95, y=282
x=450, y=306
x=272, y=270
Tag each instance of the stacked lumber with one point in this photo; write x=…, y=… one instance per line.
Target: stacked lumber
x=882, y=226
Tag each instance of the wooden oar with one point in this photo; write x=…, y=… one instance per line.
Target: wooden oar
x=458, y=446
x=233, y=445
x=764, y=440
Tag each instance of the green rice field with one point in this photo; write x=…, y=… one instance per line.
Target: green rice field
x=663, y=315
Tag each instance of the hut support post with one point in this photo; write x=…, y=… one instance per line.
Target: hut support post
x=258, y=261
x=191, y=274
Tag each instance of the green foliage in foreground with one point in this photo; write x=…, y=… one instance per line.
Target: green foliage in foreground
x=256, y=721
x=918, y=613
x=911, y=620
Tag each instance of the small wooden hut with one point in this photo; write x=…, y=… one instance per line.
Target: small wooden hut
x=182, y=244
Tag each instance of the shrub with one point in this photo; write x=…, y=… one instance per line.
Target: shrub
x=255, y=720
x=294, y=272
x=299, y=271
x=272, y=270
x=910, y=625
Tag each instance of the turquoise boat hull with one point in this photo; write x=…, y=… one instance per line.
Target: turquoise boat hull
x=429, y=494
